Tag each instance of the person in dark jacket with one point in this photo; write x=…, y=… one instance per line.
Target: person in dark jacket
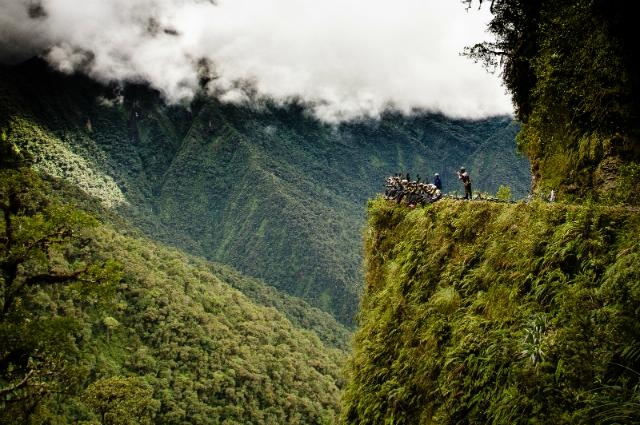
x=436, y=181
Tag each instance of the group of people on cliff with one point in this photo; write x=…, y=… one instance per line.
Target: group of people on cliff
x=401, y=188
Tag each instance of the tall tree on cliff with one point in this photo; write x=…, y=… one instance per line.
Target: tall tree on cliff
x=572, y=68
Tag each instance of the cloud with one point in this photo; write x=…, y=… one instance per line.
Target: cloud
x=346, y=57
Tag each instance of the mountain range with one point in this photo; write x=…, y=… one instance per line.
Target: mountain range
x=266, y=188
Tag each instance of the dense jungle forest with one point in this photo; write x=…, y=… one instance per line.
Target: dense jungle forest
x=267, y=189
x=101, y=325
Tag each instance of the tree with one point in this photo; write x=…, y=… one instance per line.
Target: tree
x=514, y=25
x=46, y=266
x=573, y=69
x=120, y=400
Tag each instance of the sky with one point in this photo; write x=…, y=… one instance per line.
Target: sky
x=346, y=58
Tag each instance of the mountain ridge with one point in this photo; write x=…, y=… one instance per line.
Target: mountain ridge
x=270, y=190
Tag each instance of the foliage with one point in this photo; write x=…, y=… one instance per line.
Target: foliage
x=627, y=189
x=504, y=193
x=121, y=400
x=210, y=353
x=49, y=274
x=514, y=25
x=572, y=69
x=480, y=312
x=174, y=344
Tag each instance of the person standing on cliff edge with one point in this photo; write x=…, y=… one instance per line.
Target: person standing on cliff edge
x=436, y=181
x=464, y=177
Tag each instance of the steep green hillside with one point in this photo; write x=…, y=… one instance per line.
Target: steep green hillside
x=267, y=189
x=211, y=353
x=100, y=327
x=478, y=312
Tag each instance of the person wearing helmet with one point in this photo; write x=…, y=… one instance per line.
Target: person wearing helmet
x=464, y=177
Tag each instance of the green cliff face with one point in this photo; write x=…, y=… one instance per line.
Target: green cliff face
x=478, y=312
x=495, y=313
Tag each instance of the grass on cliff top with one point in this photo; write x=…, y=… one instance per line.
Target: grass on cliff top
x=479, y=312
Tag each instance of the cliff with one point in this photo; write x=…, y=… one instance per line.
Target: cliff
x=479, y=312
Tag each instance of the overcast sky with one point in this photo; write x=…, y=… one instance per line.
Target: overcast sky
x=348, y=57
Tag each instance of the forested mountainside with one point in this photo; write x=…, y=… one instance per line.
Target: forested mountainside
x=497, y=313
x=100, y=327
x=267, y=189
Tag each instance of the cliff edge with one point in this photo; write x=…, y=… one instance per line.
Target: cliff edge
x=481, y=312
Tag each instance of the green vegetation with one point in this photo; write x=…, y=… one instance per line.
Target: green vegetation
x=504, y=193
x=473, y=312
x=106, y=326
x=267, y=189
x=99, y=327
x=48, y=274
x=121, y=401
x=480, y=312
x=210, y=353
x=573, y=71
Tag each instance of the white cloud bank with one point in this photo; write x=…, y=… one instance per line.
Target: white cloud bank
x=348, y=57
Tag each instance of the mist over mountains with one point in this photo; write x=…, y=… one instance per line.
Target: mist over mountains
x=283, y=49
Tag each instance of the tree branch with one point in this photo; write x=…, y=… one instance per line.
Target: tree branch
x=51, y=278
x=38, y=279
x=18, y=385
